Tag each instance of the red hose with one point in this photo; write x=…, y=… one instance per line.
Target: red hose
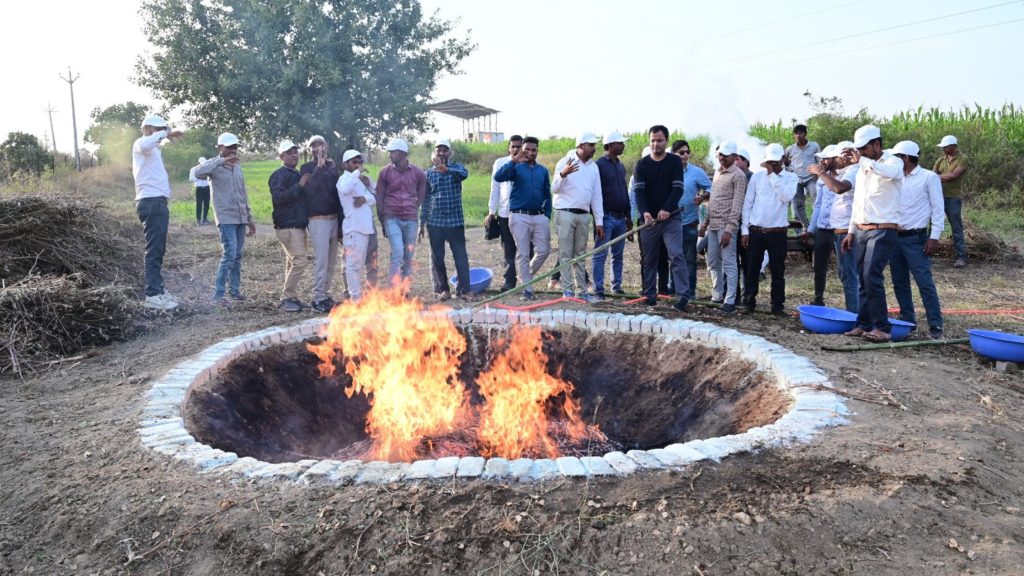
x=642, y=298
x=973, y=312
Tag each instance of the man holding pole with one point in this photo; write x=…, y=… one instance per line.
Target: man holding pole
x=576, y=194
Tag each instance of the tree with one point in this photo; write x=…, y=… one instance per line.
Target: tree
x=355, y=71
x=22, y=152
x=113, y=130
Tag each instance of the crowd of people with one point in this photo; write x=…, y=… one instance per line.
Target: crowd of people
x=872, y=207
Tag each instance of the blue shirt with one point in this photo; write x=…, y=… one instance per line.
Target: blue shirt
x=614, y=193
x=531, y=186
x=443, y=205
x=693, y=179
x=822, y=212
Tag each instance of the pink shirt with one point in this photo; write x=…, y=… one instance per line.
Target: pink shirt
x=400, y=192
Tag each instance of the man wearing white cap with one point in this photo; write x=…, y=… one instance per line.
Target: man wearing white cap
x=152, y=190
x=951, y=168
x=320, y=182
x=201, y=189
x=873, y=224
x=401, y=188
x=725, y=210
x=575, y=195
x=231, y=213
x=921, y=205
x=356, y=194
x=615, y=202
x=764, y=228
x=497, y=206
x=290, y=221
x=443, y=221
x=820, y=225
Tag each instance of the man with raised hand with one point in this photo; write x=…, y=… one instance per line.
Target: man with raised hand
x=617, y=221
x=725, y=209
x=355, y=193
x=529, y=209
x=765, y=224
x=657, y=187
x=441, y=218
x=920, y=226
x=401, y=188
x=152, y=191
x=799, y=157
x=820, y=229
x=873, y=225
x=230, y=212
x=319, y=179
x=290, y=222
x=575, y=195
x=497, y=207
x=951, y=169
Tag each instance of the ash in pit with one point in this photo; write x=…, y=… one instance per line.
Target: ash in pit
x=642, y=392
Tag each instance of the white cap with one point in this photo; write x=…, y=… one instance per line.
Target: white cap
x=614, y=136
x=315, y=139
x=202, y=159
x=865, y=134
x=155, y=121
x=586, y=138
x=397, y=144
x=227, y=139
x=773, y=153
x=743, y=152
x=844, y=145
x=646, y=152
x=444, y=142
x=907, y=147
x=727, y=148
x=830, y=151
x=285, y=146
x=350, y=154
x=947, y=140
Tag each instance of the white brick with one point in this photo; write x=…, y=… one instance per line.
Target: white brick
x=420, y=470
x=496, y=468
x=381, y=472
x=520, y=468
x=686, y=453
x=543, y=469
x=651, y=325
x=598, y=466
x=346, y=472
x=636, y=321
x=621, y=463
x=215, y=459
x=713, y=450
x=670, y=459
x=290, y=470
x=446, y=467
x=558, y=316
x=319, y=472
x=571, y=466
x=644, y=460
x=470, y=467
x=242, y=466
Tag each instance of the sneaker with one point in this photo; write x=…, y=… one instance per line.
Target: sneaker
x=218, y=299
x=168, y=298
x=323, y=305
x=936, y=334
x=818, y=302
x=594, y=298
x=960, y=263
x=650, y=302
x=506, y=287
x=749, y=309
x=681, y=305
x=618, y=291
x=728, y=309
x=443, y=296
x=718, y=301
x=238, y=297
x=289, y=305
x=568, y=294
x=780, y=313
x=159, y=303
x=555, y=284
x=528, y=295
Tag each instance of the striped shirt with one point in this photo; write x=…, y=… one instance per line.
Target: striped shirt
x=728, y=190
x=443, y=204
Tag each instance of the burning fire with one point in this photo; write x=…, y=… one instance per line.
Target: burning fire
x=407, y=364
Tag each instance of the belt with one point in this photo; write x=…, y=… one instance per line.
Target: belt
x=289, y=227
x=324, y=217
x=694, y=223
x=527, y=212
x=574, y=210
x=157, y=198
x=840, y=231
x=782, y=230
x=622, y=215
x=911, y=232
x=876, y=226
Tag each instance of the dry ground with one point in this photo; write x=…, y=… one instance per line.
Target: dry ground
x=933, y=489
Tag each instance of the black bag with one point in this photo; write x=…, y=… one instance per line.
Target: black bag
x=492, y=230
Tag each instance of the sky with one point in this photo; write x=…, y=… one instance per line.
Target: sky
x=555, y=67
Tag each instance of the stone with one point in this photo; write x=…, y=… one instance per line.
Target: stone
x=446, y=467
x=420, y=470
x=687, y=453
x=644, y=459
x=571, y=466
x=621, y=463
x=543, y=469
x=470, y=467
x=345, y=472
x=597, y=466
x=496, y=468
x=319, y=472
x=243, y=466
x=520, y=468
x=381, y=472
x=289, y=470
x=1007, y=367
x=669, y=459
x=214, y=459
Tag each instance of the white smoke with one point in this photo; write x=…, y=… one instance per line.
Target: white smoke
x=716, y=109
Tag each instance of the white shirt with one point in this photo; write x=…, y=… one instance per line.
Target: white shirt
x=921, y=201
x=878, y=191
x=580, y=190
x=500, y=191
x=356, y=219
x=842, y=204
x=197, y=182
x=148, y=167
x=766, y=203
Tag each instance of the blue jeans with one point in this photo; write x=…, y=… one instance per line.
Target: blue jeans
x=872, y=250
x=613, y=228
x=848, y=275
x=153, y=214
x=402, y=238
x=909, y=258
x=232, y=240
x=690, y=255
x=953, y=207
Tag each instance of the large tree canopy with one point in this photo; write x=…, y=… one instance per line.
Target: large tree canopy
x=268, y=69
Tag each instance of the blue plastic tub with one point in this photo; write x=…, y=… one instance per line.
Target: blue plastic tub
x=900, y=329
x=1001, y=346
x=479, y=279
x=825, y=320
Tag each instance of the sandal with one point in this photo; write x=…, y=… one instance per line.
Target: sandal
x=856, y=332
x=877, y=337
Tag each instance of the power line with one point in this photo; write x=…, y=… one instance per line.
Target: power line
x=785, y=20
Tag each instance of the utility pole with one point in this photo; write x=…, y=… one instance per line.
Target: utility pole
x=74, y=121
x=53, y=135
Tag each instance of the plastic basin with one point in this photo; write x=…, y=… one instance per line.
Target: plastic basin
x=479, y=279
x=1001, y=346
x=900, y=329
x=825, y=320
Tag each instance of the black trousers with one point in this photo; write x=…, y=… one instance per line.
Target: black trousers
x=824, y=246
x=508, y=245
x=664, y=278
x=774, y=243
x=202, y=203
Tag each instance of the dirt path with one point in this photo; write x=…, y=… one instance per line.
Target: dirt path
x=934, y=489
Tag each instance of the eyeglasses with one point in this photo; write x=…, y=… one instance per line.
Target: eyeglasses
x=681, y=152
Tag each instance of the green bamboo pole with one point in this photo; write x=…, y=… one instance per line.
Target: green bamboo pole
x=565, y=265
x=890, y=345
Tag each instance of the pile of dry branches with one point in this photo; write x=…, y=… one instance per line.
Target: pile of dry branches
x=981, y=245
